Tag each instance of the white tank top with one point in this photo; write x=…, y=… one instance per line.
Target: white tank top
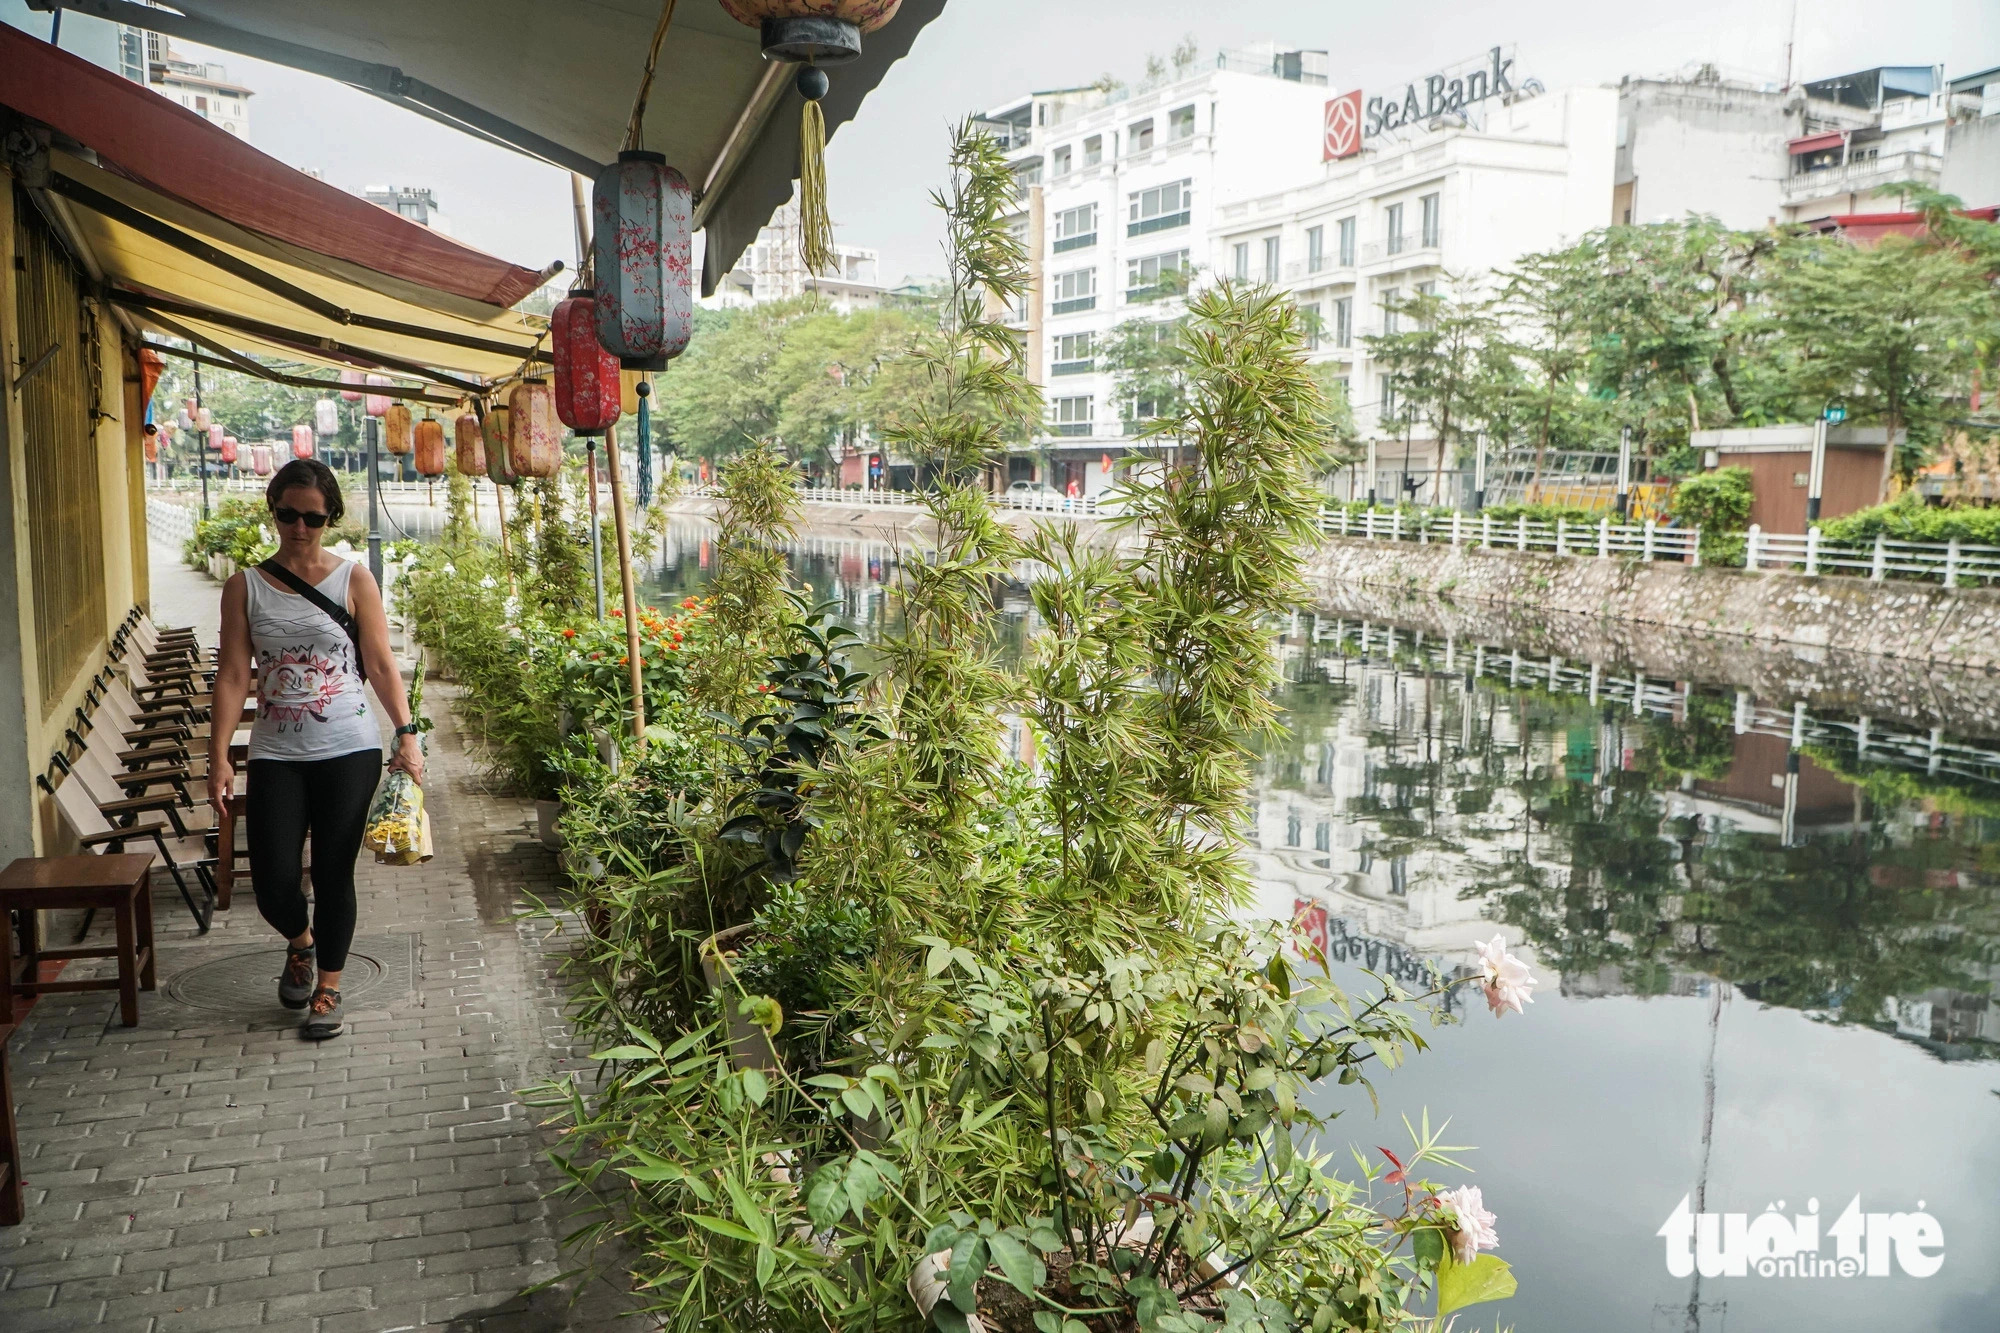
x=311, y=700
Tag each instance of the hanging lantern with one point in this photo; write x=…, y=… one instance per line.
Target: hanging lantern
x=204, y=419
x=429, y=436
x=586, y=375
x=326, y=417
x=151, y=364
x=641, y=253
x=499, y=454
x=228, y=450
x=534, y=438
x=471, y=445
x=816, y=33
x=351, y=377
x=378, y=403
x=302, y=441
x=214, y=437
x=185, y=420
x=260, y=459
x=396, y=429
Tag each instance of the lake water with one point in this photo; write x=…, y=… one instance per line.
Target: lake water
x=1766, y=933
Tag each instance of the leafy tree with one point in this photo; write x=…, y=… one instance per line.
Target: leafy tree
x=1439, y=364
x=1149, y=365
x=1718, y=503
x=1536, y=369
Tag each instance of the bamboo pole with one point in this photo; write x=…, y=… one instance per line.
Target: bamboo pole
x=625, y=584
x=506, y=555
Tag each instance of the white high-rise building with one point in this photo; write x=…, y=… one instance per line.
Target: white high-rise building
x=771, y=270
x=418, y=203
x=1455, y=197
x=204, y=89
x=1119, y=189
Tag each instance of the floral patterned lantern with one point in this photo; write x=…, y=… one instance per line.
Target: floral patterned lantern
x=228, y=450
x=586, y=374
x=326, y=416
x=534, y=437
x=429, y=434
x=351, y=377
x=396, y=429
x=641, y=252
x=499, y=457
x=302, y=442
x=260, y=459
x=471, y=445
x=378, y=403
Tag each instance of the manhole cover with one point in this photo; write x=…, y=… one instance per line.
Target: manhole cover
x=246, y=982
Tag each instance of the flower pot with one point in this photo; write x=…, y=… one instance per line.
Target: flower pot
x=546, y=815
x=749, y=1045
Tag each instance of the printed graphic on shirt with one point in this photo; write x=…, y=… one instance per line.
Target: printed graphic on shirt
x=299, y=683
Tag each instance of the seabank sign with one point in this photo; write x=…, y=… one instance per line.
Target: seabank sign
x=1348, y=120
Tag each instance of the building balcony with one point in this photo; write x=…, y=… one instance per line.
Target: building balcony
x=1069, y=243
x=1084, y=367
x=1410, y=244
x=1166, y=222
x=1863, y=176
x=1075, y=305
x=1071, y=428
x=1297, y=269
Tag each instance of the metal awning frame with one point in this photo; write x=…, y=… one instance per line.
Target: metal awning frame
x=244, y=366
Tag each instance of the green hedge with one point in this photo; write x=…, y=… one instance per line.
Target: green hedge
x=1907, y=518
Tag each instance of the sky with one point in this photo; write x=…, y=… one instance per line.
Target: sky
x=982, y=53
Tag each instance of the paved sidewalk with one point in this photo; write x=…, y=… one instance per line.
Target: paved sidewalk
x=210, y=1170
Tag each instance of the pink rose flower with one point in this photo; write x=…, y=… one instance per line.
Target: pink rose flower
x=1506, y=979
x=1474, y=1230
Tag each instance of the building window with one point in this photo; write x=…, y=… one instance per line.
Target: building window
x=1270, y=259
x=1433, y=220
x=1139, y=138
x=1059, y=161
x=1026, y=174
x=1155, y=276
x=1093, y=150
x=1388, y=397
x=1311, y=325
x=1347, y=242
x=1315, y=249
x=1075, y=290
x=1180, y=123
x=1070, y=416
x=1393, y=233
x=1427, y=289
x=1323, y=836
x=1343, y=321
x=1159, y=209
x=1076, y=228
x=1292, y=828
x=1073, y=354
x=201, y=105
x=1239, y=267
x=1392, y=320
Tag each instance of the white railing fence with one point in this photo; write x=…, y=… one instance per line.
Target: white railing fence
x=1602, y=539
x=1955, y=562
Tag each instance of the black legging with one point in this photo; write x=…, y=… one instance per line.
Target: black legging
x=329, y=796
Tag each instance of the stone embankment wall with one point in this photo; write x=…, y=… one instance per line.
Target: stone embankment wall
x=1917, y=621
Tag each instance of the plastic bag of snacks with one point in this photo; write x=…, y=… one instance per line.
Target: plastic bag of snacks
x=398, y=829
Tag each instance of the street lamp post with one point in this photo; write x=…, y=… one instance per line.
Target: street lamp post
x=1479, y=475
x=1816, y=473
x=373, y=426
x=1371, y=473
x=1624, y=473
x=200, y=435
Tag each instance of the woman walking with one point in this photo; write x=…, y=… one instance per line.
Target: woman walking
x=311, y=628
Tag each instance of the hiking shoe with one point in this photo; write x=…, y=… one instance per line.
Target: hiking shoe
x=323, y=1016
x=295, y=983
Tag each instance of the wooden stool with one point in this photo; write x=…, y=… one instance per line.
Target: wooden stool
x=10, y=1143
x=117, y=882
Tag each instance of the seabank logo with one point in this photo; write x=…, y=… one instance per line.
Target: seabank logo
x=1774, y=1245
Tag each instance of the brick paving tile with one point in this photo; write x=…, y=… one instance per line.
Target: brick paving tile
x=209, y=1170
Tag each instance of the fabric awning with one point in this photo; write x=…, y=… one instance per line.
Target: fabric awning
x=557, y=81
x=1813, y=143
x=197, y=234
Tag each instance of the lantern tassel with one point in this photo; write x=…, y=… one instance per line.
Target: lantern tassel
x=645, y=449
x=815, y=226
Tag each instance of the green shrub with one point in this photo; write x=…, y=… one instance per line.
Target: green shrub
x=1543, y=513
x=1718, y=503
x=1908, y=518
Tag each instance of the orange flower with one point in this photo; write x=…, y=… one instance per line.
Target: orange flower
x=569, y=633
x=677, y=636
x=618, y=612
x=688, y=605
x=624, y=661
x=595, y=656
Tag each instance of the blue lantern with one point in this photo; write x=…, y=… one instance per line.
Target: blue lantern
x=642, y=252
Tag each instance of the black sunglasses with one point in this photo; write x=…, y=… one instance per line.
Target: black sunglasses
x=311, y=518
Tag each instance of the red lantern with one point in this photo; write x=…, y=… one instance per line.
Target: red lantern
x=499, y=455
x=215, y=436
x=430, y=447
x=586, y=374
x=302, y=442
x=151, y=363
x=228, y=450
x=534, y=439
x=471, y=445
x=350, y=395
x=396, y=429
x=642, y=249
x=260, y=459
x=378, y=403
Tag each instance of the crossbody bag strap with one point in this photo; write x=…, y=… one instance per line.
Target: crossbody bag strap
x=335, y=612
